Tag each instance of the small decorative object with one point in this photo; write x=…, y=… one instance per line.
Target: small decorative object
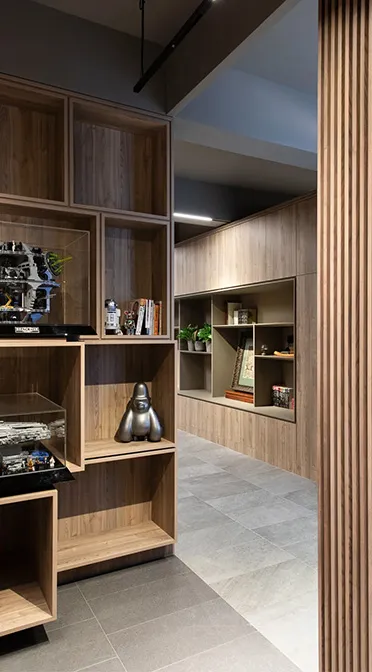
x=205, y=336
x=129, y=322
x=231, y=309
x=283, y=396
x=139, y=422
x=247, y=316
x=243, y=375
x=188, y=334
x=112, y=318
x=288, y=350
x=264, y=350
x=27, y=281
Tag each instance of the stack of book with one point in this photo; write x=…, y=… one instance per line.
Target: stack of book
x=237, y=395
x=283, y=396
x=149, y=317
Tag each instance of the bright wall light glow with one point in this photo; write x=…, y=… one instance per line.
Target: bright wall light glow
x=197, y=218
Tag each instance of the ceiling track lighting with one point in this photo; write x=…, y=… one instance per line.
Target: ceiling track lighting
x=191, y=22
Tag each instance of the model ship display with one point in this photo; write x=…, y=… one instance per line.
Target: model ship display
x=27, y=281
x=22, y=447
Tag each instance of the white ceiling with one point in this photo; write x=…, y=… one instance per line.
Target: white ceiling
x=213, y=165
x=286, y=53
x=163, y=17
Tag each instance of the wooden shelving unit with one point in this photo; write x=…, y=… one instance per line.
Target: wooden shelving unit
x=91, y=181
x=207, y=378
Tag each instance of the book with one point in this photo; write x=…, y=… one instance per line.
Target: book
x=156, y=319
x=231, y=309
x=237, y=395
x=160, y=319
x=282, y=396
x=140, y=315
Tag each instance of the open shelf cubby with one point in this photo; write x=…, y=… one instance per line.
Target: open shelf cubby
x=135, y=265
x=54, y=369
x=111, y=373
x=33, y=129
x=28, y=561
x=71, y=234
x=115, y=509
x=208, y=378
x=120, y=160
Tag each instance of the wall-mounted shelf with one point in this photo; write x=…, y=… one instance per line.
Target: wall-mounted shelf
x=106, y=450
x=194, y=352
x=276, y=357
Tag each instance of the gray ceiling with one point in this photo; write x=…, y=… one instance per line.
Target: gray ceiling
x=163, y=17
x=214, y=165
x=288, y=52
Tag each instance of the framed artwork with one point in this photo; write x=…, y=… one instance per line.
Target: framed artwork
x=243, y=375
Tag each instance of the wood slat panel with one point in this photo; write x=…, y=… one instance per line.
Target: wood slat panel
x=344, y=335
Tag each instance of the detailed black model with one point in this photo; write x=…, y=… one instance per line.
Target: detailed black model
x=139, y=421
x=27, y=281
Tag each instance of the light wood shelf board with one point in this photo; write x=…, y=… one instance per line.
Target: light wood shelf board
x=274, y=324
x=92, y=548
x=143, y=340
x=22, y=606
x=194, y=352
x=275, y=412
x=103, y=449
x=276, y=357
x=233, y=326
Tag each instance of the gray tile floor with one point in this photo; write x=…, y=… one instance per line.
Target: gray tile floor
x=241, y=596
x=249, y=530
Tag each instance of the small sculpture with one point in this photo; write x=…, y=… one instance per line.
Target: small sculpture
x=264, y=350
x=130, y=322
x=139, y=421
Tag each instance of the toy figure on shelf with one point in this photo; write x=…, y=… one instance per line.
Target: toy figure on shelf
x=139, y=422
x=129, y=322
x=112, y=318
x=27, y=280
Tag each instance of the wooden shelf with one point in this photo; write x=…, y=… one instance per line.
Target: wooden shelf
x=105, y=450
x=194, y=352
x=92, y=548
x=269, y=411
x=21, y=607
x=274, y=324
x=277, y=357
x=233, y=326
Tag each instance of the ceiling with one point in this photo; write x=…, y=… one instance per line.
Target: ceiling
x=287, y=53
x=163, y=17
x=220, y=167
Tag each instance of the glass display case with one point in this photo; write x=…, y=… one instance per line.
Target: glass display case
x=32, y=443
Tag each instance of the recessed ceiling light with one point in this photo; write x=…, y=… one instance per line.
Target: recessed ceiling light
x=198, y=218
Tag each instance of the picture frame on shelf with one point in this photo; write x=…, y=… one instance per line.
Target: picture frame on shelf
x=247, y=316
x=243, y=374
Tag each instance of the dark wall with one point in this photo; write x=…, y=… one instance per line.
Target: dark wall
x=47, y=46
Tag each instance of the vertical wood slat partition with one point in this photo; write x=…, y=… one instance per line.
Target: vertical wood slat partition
x=345, y=334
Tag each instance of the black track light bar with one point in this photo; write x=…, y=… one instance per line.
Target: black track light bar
x=195, y=17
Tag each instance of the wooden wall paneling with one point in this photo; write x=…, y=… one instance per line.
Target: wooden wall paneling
x=163, y=497
x=306, y=236
x=160, y=271
x=344, y=335
x=45, y=531
x=306, y=366
x=163, y=388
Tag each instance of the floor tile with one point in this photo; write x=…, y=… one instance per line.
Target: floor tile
x=200, y=469
x=307, y=497
x=182, y=492
x=278, y=482
x=133, y=576
x=292, y=626
x=291, y=531
x=72, y=608
x=69, y=649
x=196, y=515
x=114, y=665
x=267, y=586
x=214, y=485
x=167, y=640
x=212, y=539
x=249, y=467
x=235, y=560
x=152, y=600
x=252, y=653
x=306, y=550
x=259, y=508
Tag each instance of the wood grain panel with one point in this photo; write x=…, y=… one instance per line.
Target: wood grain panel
x=263, y=438
x=260, y=248
x=306, y=381
x=345, y=334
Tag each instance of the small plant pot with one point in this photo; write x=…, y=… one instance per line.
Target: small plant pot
x=199, y=346
x=190, y=346
x=209, y=346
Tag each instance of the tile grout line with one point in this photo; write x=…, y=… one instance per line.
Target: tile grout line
x=90, y=667
x=101, y=628
x=84, y=620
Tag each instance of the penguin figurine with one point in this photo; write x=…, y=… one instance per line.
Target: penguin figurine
x=139, y=421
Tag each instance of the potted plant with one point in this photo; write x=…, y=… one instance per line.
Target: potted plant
x=205, y=336
x=188, y=334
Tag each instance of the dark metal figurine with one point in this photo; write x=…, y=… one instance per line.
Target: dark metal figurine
x=139, y=421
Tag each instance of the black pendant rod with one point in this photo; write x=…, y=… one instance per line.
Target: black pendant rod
x=195, y=17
